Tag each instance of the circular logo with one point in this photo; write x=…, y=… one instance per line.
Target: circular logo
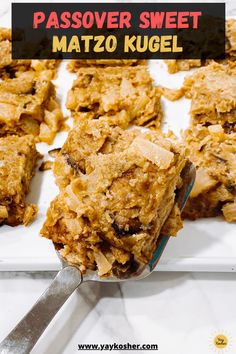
x=220, y=341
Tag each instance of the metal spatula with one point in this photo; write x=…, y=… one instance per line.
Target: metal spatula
x=25, y=335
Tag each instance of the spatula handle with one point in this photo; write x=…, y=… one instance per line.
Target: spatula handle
x=24, y=336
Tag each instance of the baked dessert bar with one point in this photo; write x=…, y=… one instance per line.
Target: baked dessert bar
x=9, y=67
x=214, y=154
x=74, y=65
x=28, y=106
x=213, y=93
x=117, y=190
x=18, y=157
x=175, y=65
x=107, y=91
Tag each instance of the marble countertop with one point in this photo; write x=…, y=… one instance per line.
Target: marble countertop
x=181, y=312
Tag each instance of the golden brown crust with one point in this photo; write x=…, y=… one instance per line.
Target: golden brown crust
x=28, y=106
x=107, y=91
x=214, y=154
x=18, y=157
x=116, y=192
x=213, y=94
x=75, y=65
x=10, y=68
x=171, y=94
x=176, y=65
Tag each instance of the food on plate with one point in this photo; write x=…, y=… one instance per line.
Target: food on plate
x=117, y=194
x=214, y=153
x=18, y=158
x=212, y=90
x=125, y=95
x=9, y=67
x=74, y=65
x=28, y=106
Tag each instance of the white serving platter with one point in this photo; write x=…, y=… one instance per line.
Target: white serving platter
x=202, y=245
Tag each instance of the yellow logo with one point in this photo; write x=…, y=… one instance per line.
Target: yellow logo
x=220, y=341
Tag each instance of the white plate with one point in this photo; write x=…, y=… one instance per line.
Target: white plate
x=203, y=245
